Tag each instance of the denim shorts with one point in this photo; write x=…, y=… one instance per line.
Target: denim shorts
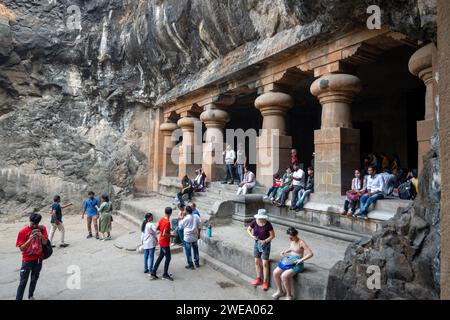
x=261, y=252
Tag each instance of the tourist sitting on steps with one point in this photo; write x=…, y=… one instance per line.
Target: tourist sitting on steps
x=303, y=193
x=248, y=183
x=359, y=184
x=230, y=157
x=274, y=189
x=261, y=230
x=199, y=182
x=186, y=188
x=194, y=209
x=292, y=263
x=374, y=193
x=284, y=186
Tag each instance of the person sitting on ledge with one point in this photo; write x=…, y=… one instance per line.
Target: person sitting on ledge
x=247, y=184
x=284, y=187
x=186, y=187
x=199, y=182
x=352, y=196
x=374, y=193
x=291, y=264
x=298, y=184
x=274, y=189
x=303, y=193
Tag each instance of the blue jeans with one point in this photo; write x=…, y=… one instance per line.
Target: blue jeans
x=187, y=249
x=240, y=172
x=163, y=252
x=302, y=194
x=229, y=171
x=149, y=253
x=367, y=200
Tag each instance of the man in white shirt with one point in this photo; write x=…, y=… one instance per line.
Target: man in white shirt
x=191, y=225
x=230, y=157
x=375, y=187
x=298, y=183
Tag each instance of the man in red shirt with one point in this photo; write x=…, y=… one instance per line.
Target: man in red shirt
x=294, y=158
x=29, y=241
x=164, y=245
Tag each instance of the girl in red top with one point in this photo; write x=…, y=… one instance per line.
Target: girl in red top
x=29, y=241
x=274, y=189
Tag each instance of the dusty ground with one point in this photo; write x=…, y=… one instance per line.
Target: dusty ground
x=106, y=271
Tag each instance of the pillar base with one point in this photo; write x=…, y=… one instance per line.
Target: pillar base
x=273, y=156
x=337, y=154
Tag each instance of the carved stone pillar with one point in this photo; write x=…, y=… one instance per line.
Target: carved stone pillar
x=421, y=65
x=190, y=151
x=170, y=166
x=273, y=145
x=215, y=121
x=337, y=145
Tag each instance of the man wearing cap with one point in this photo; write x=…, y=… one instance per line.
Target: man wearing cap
x=261, y=230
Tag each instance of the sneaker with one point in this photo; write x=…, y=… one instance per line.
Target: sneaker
x=97, y=237
x=265, y=197
x=256, y=282
x=53, y=246
x=265, y=286
x=64, y=245
x=277, y=295
x=231, y=182
x=197, y=265
x=190, y=267
x=31, y=298
x=224, y=182
x=153, y=276
x=89, y=236
x=289, y=298
x=167, y=277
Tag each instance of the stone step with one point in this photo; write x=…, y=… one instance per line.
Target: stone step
x=231, y=246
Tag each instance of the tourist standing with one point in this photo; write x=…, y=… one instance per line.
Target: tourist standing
x=248, y=183
x=230, y=157
x=56, y=220
x=105, y=222
x=303, y=193
x=292, y=263
x=149, y=240
x=374, y=193
x=194, y=209
x=261, y=231
x=164, y=245
x=90, y=210
x=186, y=188
x=240, y=161
x=191, y=226
x=30, y=241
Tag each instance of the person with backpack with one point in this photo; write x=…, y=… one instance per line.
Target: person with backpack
x=149, y=241
x=56, y=220
x=31, y=241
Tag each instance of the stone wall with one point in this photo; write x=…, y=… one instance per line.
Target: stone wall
x=444, y=118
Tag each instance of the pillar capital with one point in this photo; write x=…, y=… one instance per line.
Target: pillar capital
x=168, y=127
x=421, y=63
x=187, y=123
x=214, y=118
x=270, y=103
x=335, y=93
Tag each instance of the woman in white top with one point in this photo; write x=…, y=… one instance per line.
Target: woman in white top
x=149, y=241
x=248, y=183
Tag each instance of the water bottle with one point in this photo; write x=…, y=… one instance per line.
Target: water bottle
x=209, y=231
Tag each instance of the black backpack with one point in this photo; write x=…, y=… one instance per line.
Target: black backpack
x=47, y=248
x=407, y=191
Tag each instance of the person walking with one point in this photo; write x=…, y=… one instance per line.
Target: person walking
x=90, y=210
x=149, y=240
x=56, y=220
x=106, y=218
x=262, y=232
x=30, y=241
x=164, y=245
x=191, y=226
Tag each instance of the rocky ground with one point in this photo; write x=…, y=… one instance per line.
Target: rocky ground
x=108, y=273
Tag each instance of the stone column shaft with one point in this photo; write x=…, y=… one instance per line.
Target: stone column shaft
x=273, y=145
x=337, y=145
x=189, y=148
x=170, y=167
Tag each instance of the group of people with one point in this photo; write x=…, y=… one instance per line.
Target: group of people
x=189, y=186
x=368, y=189
x=32, y=239
x=291, y=262
x=186, y=227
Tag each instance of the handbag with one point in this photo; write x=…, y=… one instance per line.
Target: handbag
x=46, y=248
x=352, y=196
